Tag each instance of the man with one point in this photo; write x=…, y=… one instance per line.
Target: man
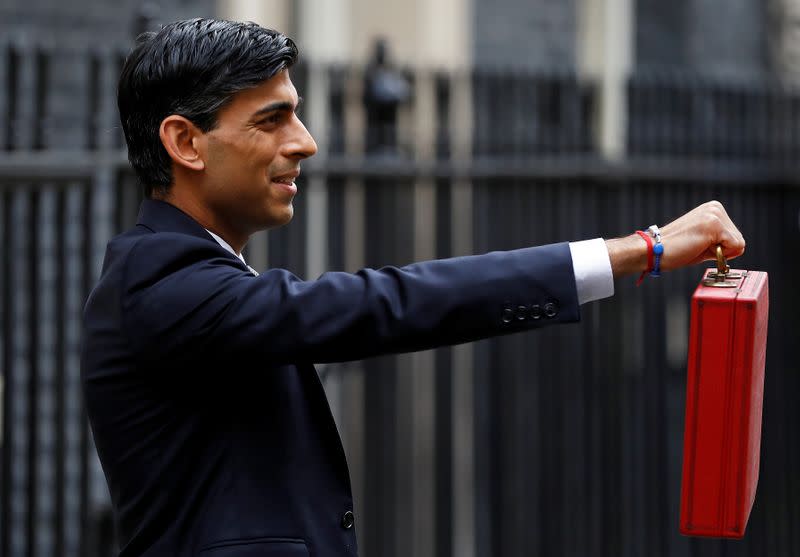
x=212, y=427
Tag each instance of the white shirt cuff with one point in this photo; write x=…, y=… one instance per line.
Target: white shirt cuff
x=592, y=266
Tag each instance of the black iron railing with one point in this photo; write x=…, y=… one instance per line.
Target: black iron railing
x=566, y=441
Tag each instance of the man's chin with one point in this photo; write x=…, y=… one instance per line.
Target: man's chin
x=277, y=220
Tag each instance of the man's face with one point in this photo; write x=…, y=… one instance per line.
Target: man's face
x=253, y=157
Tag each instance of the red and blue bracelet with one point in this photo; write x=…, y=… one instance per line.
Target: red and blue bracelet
x=655, y=250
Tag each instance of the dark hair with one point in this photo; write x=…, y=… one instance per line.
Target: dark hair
x=191, y=68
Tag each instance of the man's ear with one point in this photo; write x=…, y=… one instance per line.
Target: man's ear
x=181, y=139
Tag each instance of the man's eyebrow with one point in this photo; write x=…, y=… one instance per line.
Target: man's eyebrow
x=277, y=106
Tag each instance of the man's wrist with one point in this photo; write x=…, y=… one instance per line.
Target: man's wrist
x=628, y=255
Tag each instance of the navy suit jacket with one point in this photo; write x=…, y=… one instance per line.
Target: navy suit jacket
x=210, y=421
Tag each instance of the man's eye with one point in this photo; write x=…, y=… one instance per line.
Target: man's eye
x=270, y=120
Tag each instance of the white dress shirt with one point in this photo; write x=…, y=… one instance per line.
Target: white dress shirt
x=228, y=247
x=592, y=267
x=590, y=263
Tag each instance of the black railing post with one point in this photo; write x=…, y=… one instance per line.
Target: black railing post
x=8, y=378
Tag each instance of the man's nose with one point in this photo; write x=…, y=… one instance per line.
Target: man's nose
x=302, y=145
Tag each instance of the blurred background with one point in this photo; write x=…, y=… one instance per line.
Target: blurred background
x=445, y=127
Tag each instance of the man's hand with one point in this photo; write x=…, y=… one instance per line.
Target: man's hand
x=688, y=240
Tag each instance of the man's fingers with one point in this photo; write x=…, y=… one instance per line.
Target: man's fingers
x=726, y=234
x=732, y=242
x=736, y=244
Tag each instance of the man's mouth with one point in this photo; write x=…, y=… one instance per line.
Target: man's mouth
x=287, y=180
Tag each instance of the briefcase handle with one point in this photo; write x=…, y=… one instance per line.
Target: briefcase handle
x=722, y=278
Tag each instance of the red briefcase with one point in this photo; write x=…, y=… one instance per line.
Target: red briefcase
x=724, y=394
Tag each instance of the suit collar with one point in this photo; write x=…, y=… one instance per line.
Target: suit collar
x=160, y=216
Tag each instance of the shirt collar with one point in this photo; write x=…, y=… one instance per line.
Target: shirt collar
x=226, y=245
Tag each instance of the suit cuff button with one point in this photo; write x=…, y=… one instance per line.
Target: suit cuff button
x=348, y=520
x=550, y=310
x=508, y=315
x=536, y=311
x=522, y=313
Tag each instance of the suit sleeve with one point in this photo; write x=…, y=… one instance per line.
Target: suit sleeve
x=180, y=304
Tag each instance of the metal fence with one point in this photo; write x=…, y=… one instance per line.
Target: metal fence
x=566, y=441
